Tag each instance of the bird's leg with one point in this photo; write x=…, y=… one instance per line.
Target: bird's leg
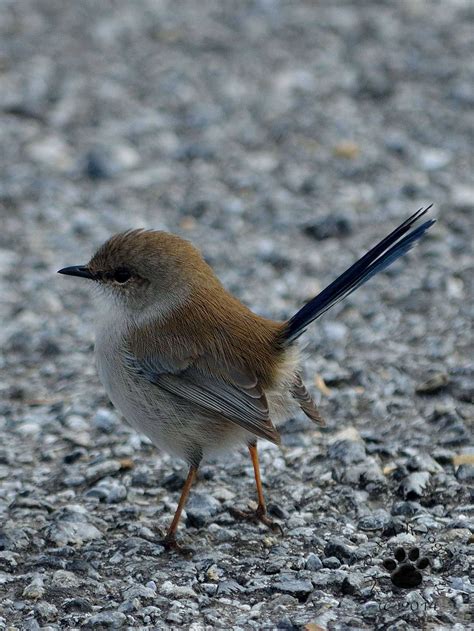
x=261, y=513
x=262, y=507
x=170, y=539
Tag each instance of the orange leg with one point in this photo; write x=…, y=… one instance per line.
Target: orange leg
x=261, y=513
x=170, y=540
x=261, y=508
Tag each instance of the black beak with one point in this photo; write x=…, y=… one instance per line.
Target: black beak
x=76, y=270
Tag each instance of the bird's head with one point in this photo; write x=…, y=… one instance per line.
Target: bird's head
x=144, y=272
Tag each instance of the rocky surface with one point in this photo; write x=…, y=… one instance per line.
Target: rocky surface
x=284, y=139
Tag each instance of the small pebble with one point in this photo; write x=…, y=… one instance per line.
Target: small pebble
x=34, y=590
x=106, y=620
x=433, y=384
x=313, y=562
x=332, y=563
x=200, y=509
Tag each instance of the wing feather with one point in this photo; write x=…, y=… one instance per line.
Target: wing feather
x=305, y=401
x=233, y=394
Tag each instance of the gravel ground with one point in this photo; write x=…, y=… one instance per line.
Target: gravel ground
x=283, y=138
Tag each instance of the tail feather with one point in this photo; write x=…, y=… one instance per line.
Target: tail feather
x=374, y=261
x=300, y=393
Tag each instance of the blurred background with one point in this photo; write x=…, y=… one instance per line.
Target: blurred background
x=283, y=139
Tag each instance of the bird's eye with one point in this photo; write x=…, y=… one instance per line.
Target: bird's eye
x=122, y=275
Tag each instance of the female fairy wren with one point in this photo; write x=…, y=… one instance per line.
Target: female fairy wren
x=189, y=365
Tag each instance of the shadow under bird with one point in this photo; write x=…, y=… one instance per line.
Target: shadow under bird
x=188, y=364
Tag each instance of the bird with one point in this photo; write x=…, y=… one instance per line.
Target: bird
x=189, y=365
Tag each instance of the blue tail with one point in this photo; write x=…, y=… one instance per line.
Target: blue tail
x=376, y=260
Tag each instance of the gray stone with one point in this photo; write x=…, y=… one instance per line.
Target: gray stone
x=106, y=620
x=353, y=583
x=339, y=549
x=377, y=520
x=139, y=591
x=371, y=609
x=51, y=151
x=46, y=611
x=64, y=579
x=129, y=606
x=329, y=226
x=102, y=469
x=432, y=159
x=77, y=604
x=465, y=473
x=293, y=586
x=34, y=590
x=275, y=565
x=229, y=587
x=200, y=509
x=313, y=562
x=332, y=563
x=109, y=490
x=74, y=480
x=406, y=509
x=367, y=474
x=72, y=527
x=106, y=161
x=434, y=384
x=415, y=485
x=104, y=420
x=347, y=451
x=328, y=579
x=31, y=624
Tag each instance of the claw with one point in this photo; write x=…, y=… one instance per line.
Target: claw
x=170, y=543
x=258, y=515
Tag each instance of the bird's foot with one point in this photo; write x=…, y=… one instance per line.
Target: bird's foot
x=170, y=543
x=258, y=515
